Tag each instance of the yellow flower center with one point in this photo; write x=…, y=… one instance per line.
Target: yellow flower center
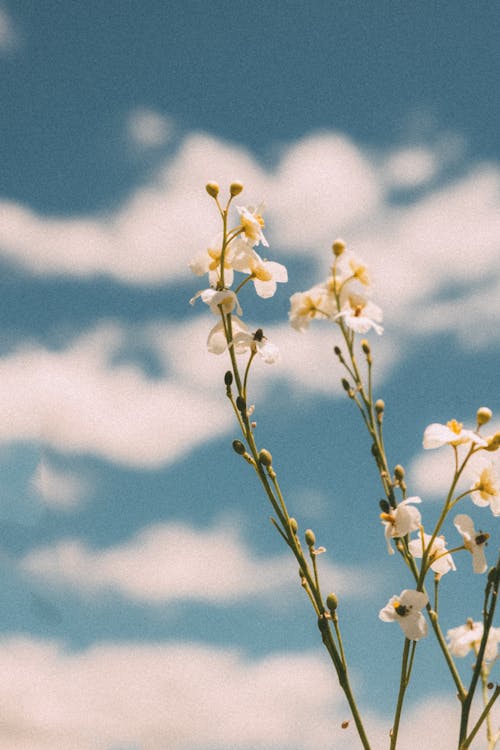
x=401, y=609
x=455, y=426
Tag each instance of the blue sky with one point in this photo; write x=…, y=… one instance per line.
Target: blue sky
x=147, y=603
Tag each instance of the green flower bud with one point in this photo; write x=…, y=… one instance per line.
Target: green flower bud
x=235, y=188
x=241, y=404
x=212, y=189
x=337, y=351
x=483, y=415
x=365, y=346
x=228, y=378
x=332, y=602
x=310, y=537
x=346, y=385
x=493, y=442
x=238, y=447
x=265, y=457
x=294, y=525
x=384, y=506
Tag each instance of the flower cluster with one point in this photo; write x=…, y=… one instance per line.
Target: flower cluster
x=344, y=297
x=234, y=250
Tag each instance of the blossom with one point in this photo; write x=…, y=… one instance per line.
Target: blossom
x=405, y=609
x=224, y=300
x=305, y=306
x=264, y=273
x=451, y=433
x=466, y=637
x=252, y=224
x=473, y=541
x=400, y=521
x=486, y=490
x=439, y=557
x=361, y=314
x=258, y=343
x=210, y=262
x=217, y=342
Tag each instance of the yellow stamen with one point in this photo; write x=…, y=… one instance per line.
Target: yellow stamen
x=455, y=426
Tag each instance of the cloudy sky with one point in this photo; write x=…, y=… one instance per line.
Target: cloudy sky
x=147, y=603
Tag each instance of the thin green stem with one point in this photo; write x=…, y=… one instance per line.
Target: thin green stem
x=403, y=684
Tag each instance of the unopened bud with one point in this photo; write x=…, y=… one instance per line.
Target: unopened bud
x=346, y=385
x=241, y=404
x=379, y=406
x=338, y=247
x=228, y=378
x=294, y=525
x=265, y=457
x=483, y=415
x=235, y=188
x=212, y=189
x=493, y=442
x=399, y=472
x=384, y=506
x=310, y=537
x=332, y=602
x=238, y=447
x=365, y=346
x=337, y=351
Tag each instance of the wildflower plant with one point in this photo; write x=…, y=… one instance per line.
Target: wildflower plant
x=345, y=299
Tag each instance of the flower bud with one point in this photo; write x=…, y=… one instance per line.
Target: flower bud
x=338, y=247
x=235, y=188
x=310, y=537
x=483, y=415
x=332, y=602
x=379, y=406
x=265, y=457
x=294, y=525
x=345, y=385
x=228, y=378
x=241, y=404
x=384, y=506
x=399, y=472
x=337, y=350
x=212, y=189
x=493, y=442
x=365, y=346
x=238, y=447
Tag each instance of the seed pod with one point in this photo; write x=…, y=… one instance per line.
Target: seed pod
x=265, y=457
x=238, y=447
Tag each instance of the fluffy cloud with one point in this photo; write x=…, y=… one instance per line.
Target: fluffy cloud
x=148, y=129
x=58, y=489
x=9, y=37
x=186, y=696
x=212, y=565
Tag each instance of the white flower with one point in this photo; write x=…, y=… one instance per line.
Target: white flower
x=265, y=273
x=224, y=299
x=209, y=262
x=451, y=433
x=361, y=314
x=252, y=223
x=466, y=637
x=400, y=521
x=350, y=269
x=405, y=609
x=473, y=541
x=256, y=342
x=486, y=488
x=439, y=557
x=306, y=306
x=217, y=342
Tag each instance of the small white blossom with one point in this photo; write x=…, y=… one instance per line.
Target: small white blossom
x=486, y=488
x=401, y=521
x=439, y=557
x=216, y=300
x=265, y=273
x=405, y=609
x=361, y=314
x=210, y=261
x=316, y=303
x=252, y=223
x=473, y=541
x=257, y=342
x=217, y=342
x=466, y=637
x=451, y=433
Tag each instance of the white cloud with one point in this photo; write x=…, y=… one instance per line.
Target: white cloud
x=174, y=561
x=63, y=490
x=9, y=38
x=148, y=129
x=411, y=167
x=185, y=696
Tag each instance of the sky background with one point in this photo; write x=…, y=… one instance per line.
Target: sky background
x=147, y=603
